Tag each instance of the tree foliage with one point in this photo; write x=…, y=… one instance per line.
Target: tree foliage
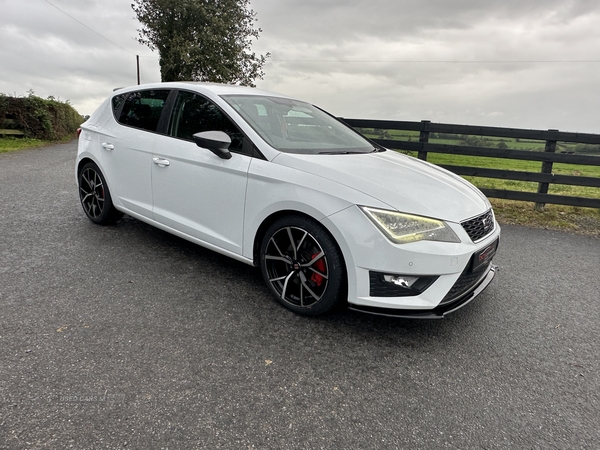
x=201, y=40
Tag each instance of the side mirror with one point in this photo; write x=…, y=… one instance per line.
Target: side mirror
x=217, y=142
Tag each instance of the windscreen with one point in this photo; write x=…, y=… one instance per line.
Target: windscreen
x=292, y=126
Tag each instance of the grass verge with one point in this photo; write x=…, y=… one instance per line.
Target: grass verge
x=554, y=217
x=13, y=144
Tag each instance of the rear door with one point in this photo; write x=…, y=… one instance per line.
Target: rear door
x=127, y=148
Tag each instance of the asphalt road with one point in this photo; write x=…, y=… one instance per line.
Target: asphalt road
x=127, y=337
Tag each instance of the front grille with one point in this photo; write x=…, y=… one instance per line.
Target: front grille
x=479, y=227
x=465, y=283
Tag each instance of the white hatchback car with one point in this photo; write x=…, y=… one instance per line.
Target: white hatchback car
x=330, y=217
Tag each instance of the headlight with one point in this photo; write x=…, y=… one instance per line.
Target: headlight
x=403, y=228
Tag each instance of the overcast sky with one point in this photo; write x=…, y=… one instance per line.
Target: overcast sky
x=514, y=63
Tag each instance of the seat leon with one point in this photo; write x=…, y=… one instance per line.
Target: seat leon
x=330, y=218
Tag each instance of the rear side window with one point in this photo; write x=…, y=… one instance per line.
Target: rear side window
x=142, y=109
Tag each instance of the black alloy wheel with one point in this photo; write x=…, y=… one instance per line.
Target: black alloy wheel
x=302, y=265
x=95, y=196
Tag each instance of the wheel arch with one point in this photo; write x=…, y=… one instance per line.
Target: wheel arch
x=266, y=223
x=88, y=159
x=83, y=162
x=269, y=220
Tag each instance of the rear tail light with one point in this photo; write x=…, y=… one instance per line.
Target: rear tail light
x=78, y=132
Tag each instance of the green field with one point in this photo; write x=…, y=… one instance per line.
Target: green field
x=523, y=166
x=501, y=163
x=481, y=141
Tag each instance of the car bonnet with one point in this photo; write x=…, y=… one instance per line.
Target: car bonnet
x=405, y=184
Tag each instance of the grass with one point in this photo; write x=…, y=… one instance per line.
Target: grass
x=554, y=217
x=11, y=144
x=523, y=166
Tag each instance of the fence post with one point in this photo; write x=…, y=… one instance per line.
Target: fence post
x=546, y=168
x=424, y=138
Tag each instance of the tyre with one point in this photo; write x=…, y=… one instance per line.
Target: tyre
x=95, y=197
x=302, y=265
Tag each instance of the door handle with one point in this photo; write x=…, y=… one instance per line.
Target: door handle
x=162, y=162
x=107, y=146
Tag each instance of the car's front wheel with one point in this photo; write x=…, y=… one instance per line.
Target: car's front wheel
x=302, y=265
x=95, y=197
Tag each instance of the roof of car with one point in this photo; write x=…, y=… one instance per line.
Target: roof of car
x=216, y=88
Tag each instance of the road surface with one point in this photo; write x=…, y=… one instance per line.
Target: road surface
x=127, y=337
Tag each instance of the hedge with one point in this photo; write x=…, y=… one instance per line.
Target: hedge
x=39, y=118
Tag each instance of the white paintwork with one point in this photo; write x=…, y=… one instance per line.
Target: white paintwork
x=372, y=251
x=403, y=183
x=199, y=193
x=221, y=203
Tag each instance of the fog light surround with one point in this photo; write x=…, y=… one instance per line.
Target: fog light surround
x=397, y=285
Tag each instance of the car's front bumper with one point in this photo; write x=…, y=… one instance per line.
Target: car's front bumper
x=439, y=312
x=370, y=256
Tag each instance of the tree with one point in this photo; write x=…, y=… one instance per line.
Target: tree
x=201, y=40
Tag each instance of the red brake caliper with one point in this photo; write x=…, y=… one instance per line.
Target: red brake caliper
x=320, y=266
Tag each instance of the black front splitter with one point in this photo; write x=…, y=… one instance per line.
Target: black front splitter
x=436, y=313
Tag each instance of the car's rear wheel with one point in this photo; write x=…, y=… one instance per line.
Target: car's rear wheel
x=302, y=265
x=95, y=197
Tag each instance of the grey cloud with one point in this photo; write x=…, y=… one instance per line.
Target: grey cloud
x=47, y=51
x=342, y=20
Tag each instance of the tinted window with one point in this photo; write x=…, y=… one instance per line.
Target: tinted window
x=143, y=109
x=194, y=113
x=117, y=101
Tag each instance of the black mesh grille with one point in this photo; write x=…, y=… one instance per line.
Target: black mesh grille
x=465, y=282
x=480, y=226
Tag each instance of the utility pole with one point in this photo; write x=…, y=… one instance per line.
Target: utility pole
x=137, y=59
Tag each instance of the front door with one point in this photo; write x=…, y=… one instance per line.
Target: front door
x=194, y=191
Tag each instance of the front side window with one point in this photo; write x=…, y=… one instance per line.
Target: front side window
x=193, y=114
x=296, y=127
x=142, y=109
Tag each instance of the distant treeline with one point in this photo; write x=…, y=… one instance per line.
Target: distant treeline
x=481, y=141
x=587, y=149
x=47, y=119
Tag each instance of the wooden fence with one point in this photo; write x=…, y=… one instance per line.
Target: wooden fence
x=548, y=157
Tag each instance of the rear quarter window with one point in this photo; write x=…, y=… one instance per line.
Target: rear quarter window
x=117, y=101
x=141, y=109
